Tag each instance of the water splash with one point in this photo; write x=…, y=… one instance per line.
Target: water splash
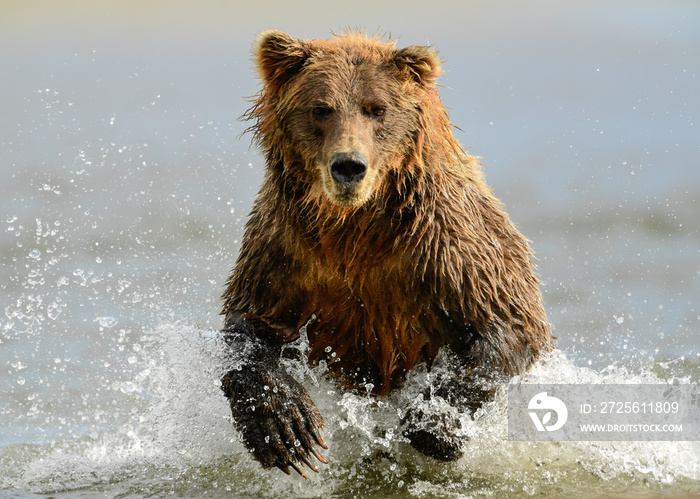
x=178, y=439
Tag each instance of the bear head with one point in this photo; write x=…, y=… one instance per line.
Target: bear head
x=344, y=116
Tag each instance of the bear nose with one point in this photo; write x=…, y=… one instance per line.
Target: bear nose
x=348, y=168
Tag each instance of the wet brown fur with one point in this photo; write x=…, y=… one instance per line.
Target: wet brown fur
x=428, y=259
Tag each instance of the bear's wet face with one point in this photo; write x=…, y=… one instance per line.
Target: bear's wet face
x=349, y=109
x=343, y=129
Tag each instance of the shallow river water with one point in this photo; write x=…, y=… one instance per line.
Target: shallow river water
x=126, y=183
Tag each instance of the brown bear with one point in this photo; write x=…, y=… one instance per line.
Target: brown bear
x=376, y=231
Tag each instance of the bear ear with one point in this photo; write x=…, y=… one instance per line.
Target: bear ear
x=421, y=63
x=278, y=56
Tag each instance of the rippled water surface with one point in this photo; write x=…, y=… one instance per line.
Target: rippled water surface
x=126, y=184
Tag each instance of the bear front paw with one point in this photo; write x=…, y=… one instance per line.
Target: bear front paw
x=279, y=422
x=434, y=434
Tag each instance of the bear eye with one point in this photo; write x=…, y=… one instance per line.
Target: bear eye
x=377, y=112
x=321, y=111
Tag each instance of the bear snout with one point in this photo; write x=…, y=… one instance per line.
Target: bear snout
x=348, y=168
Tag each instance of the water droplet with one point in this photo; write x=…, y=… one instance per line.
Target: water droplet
x=53, y=310
x=19, y=365
x=35, y=254
x=127, y=387
x=106, y=321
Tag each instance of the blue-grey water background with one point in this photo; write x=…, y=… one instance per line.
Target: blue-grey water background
x=125, y=185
